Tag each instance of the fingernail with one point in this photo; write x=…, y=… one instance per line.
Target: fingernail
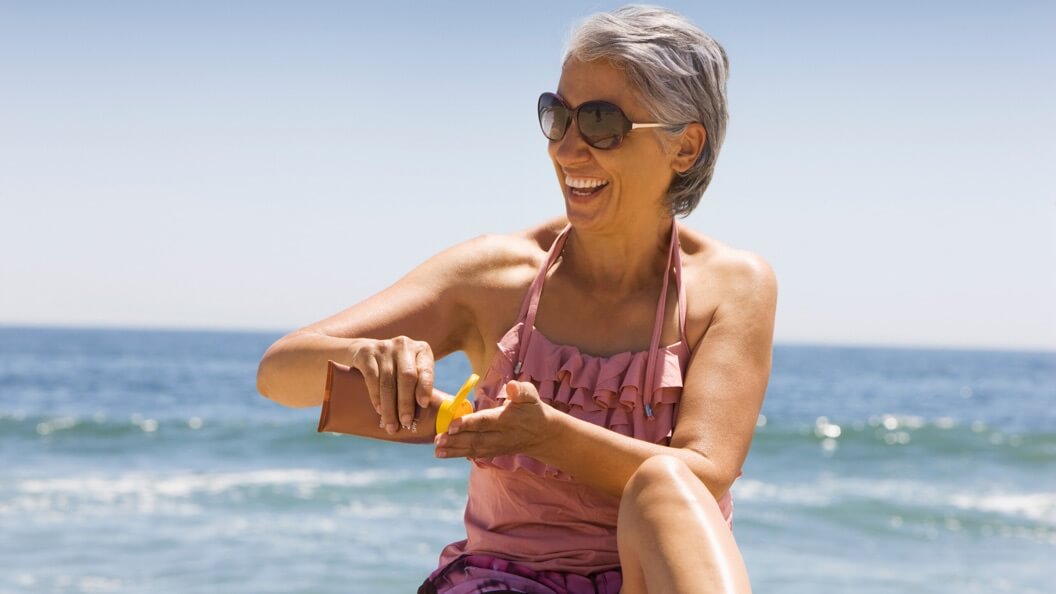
x=390, y=428
x=441, y=454
x=442, y=439
x=405, y=420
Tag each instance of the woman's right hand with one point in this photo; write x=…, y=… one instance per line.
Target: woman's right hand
x=399, y=373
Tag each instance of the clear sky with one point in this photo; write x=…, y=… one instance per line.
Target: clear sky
x=261, y=165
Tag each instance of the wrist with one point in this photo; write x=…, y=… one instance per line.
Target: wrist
x=555, y=425
x=352, y=346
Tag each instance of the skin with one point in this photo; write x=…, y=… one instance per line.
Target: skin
x=467, y=298
x=671, y=534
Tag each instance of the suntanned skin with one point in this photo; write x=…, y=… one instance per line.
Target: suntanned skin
x=601, y=297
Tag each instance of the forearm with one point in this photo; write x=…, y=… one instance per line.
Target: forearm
x=293, y=370
x=606, y=460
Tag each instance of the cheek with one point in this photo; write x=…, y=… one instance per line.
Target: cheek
x=644, y=168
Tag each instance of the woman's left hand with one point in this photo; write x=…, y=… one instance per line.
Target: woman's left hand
x=519, y=426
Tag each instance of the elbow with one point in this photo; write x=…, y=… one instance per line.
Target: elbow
x=263, y=369
x=723, y=484
x=715, y=476
x=262, y=385
x=266, y=371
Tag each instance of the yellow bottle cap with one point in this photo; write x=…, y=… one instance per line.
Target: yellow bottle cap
x=453, y=408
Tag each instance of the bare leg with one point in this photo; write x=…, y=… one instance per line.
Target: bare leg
x=672, y=536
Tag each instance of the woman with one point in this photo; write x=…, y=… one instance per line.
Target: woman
x=601, y=460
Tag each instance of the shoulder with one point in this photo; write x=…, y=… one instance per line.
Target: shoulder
x=715, y=261
x=498, y=260
x=488, y=276
x=725, y=280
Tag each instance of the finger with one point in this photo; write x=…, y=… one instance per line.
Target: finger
x=426, y=365
x=481, y=422
x=387, y=389
x=468, y=445
x=406, y=382
x=513, y=390
x=368, y=366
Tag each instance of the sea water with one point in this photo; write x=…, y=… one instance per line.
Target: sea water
x=145, y=461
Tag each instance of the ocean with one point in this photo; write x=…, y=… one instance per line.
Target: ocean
x=145, y=461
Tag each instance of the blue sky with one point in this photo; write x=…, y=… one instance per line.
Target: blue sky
x=263, y=165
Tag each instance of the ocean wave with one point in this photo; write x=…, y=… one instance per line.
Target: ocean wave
x=1040, y=507
x=933, y=438
x=904, y=502
x=188, y=493
x=188, y=484
x=103, y=426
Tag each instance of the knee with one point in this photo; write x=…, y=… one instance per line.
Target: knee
x=657, y=487
x=657, y=473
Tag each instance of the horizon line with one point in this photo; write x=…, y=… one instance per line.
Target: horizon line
x=1035, y=349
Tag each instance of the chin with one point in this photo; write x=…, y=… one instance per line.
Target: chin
x=581, y=218
x=587, y=208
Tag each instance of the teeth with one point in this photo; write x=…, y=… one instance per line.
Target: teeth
x=584, y=182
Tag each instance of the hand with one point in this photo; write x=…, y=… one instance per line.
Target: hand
x=519, y=426
x=398, y=372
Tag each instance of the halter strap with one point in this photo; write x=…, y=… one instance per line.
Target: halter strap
x=530, y=306
x=674, y=252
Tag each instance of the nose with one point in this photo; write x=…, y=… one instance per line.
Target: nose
x=571, y=148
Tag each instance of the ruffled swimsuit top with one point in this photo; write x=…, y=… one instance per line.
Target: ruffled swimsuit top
x=532, y=513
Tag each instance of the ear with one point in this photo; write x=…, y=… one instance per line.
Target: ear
x=689, y=147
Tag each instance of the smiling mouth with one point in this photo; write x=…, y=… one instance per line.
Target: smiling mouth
x=587, y=192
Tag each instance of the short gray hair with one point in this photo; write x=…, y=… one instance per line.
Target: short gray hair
x=680, y=72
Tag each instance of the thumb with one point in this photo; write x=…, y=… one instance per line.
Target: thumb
x=520, y=392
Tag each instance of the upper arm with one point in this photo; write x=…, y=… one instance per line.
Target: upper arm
x=730, y=367
x=430, y=303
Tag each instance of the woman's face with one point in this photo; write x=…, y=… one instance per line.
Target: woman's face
x=637, y=173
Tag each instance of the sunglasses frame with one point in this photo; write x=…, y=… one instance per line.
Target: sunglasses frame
x=573, y=116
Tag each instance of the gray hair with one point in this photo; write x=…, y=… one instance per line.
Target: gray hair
x=680, y=72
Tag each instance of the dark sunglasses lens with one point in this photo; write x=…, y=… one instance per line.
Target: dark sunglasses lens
x=602, y=124
x=553, y=117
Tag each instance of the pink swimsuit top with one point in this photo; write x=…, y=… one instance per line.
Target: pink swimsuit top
x=532, y=513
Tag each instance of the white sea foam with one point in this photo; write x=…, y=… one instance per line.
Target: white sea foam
x=94, y=583
x=187, y=484
x=57, y=424
x=753, y=490
x=179, y=493
x=1040, y=507
x=1037, y=507
x=385, y=510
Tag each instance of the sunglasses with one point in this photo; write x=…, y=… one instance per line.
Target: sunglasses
x=601, y=124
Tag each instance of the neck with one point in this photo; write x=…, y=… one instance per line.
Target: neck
x=618, y=264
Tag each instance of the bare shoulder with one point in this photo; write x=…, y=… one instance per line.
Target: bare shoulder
x=494, y=271
x=495, y=259
x=454, y=300
x=728, y=263
x=721, y=278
